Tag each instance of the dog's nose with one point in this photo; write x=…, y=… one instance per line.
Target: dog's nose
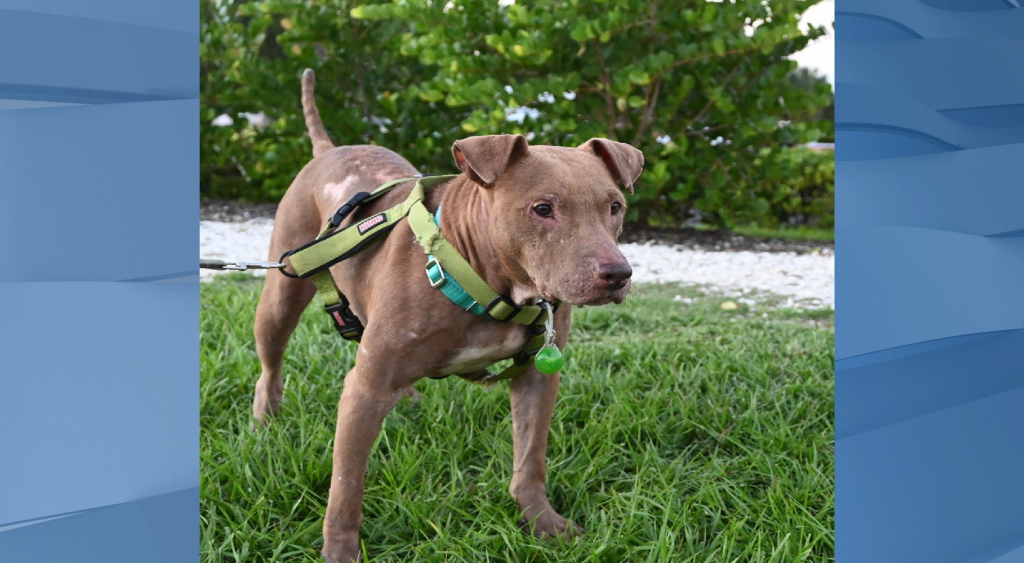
x=614, y=274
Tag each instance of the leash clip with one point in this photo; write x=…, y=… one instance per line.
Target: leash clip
x=243, y=265
x=549, y=323
x=240, y=265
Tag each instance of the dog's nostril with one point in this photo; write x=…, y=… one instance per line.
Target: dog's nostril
x=614, y=273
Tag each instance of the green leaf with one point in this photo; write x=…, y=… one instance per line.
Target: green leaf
x=582, y=31
x=686, y=84
x=432, y=95
x=718, y=44
x=637, y=76
x=709, y=12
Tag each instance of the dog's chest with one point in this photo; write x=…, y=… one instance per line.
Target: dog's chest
x=482, y=350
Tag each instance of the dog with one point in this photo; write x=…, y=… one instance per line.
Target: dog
x=533, y=221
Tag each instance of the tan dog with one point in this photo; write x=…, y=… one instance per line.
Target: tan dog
x=534, y=222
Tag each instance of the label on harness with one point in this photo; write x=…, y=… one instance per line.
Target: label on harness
x=338, y=318
x=345, y=321
x=371, y=223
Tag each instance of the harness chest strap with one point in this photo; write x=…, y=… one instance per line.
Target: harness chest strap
x=446, y=269
x=332, y=246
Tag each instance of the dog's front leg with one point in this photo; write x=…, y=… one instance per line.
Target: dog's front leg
x=533, y=404
x=364, y=404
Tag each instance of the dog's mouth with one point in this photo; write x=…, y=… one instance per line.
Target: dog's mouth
x=602, y=295
x=615, y=295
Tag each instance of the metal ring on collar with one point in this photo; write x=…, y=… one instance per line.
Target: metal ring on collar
x=440, y=270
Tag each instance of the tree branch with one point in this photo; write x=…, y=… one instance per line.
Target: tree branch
x=606, y=80
x=650, y=102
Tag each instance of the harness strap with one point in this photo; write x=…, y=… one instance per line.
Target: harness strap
x=334, y=246
x=359, y=199
x=313, y=260
x=521, y=361
x=448, y=265
x=325, y=285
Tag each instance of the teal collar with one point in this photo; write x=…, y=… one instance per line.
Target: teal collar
x=447, y=284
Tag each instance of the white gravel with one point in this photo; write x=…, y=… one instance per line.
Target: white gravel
x=249, y=240
x=806, y=280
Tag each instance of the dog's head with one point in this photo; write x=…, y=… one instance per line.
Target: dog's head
x=555, y=213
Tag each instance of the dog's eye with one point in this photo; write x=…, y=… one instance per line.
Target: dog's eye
x=544, y=210
x=616, y=207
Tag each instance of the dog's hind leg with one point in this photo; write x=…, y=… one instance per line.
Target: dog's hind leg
x=280, y=307
x=277, y=315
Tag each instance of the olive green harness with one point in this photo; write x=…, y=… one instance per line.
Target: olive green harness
x=446, y=270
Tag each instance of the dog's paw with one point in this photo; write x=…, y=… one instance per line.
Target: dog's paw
x=342, y=558
x=342, y=550
x=549, y=524
x=266, y=403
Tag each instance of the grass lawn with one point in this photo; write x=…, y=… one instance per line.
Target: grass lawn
x=683, y=432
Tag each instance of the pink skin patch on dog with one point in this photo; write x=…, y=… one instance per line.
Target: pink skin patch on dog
x=337, y=191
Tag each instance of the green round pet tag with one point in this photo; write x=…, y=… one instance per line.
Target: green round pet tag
x=548, y=360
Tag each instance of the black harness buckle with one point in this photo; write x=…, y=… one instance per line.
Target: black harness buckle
x=501, y=299
x=346, y=210
x=346, y=322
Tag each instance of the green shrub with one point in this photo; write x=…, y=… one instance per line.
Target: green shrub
x=798, y=188
x=681, y=80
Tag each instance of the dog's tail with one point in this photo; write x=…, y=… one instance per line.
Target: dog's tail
x=321, y=142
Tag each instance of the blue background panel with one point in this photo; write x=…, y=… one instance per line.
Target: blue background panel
x=930, y=281
x=159, y=529
x=97, y=394
x=99, y=418
x=106, y=204
x=82, y=60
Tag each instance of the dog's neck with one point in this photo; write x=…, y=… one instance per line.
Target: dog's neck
x=465, y=222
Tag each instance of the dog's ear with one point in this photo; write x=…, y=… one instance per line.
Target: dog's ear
x=623, y=161
x=485, y=158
